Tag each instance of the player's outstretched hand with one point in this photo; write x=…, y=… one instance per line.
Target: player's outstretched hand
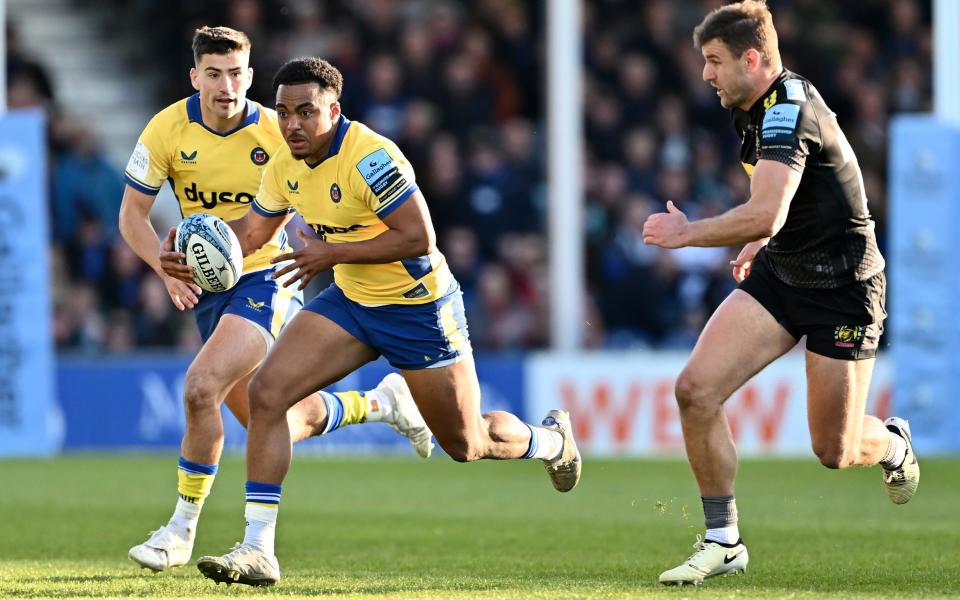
x=314, y=258
x=741, y=266
x=172, y=262
x=666, y=229
x=183, y=295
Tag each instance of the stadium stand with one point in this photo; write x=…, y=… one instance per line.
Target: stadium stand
x=459, y=86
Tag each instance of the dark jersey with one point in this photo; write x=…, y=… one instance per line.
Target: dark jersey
x=827, y=240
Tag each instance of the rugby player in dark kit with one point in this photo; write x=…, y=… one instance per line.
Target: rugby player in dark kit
x=810, y=267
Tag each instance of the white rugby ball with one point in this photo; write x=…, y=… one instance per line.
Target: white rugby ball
x=212, y=250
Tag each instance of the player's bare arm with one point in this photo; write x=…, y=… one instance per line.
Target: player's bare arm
x=410, y=235
x=771, y=189
x=138, y=231
x=254, y=230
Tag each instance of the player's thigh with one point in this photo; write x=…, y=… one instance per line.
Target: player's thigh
x=232, y=351
x=448, y=398
x=311, y=353
x=842, y=341
x=740, y=339
x=837, y=391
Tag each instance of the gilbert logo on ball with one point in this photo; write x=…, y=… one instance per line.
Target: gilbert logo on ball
x=212, y=251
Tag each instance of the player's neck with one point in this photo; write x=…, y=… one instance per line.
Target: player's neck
x=212, y=121
x=763, y=84
x=324, y=149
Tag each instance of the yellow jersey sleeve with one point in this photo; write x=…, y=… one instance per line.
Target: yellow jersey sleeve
x=381, y=176
x=149, y=164
x=270, y=200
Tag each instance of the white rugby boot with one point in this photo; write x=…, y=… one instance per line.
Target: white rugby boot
x=901, y=483
x=164, y=549
x=405, y=418
x=244, y=564
x=564, y=470
x=708, y=560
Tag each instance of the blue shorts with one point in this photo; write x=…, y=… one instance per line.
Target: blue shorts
x=256, y=297
x=409, y=336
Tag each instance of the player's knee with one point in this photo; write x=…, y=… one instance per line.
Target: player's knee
x=833, y=454
x=462, y=449
x=263, y=397
x=693, y=393
x=200, y=392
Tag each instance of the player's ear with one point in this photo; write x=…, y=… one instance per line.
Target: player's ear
x=195, y=78
x=752, y=59
x=249, y=79
x=335, y=110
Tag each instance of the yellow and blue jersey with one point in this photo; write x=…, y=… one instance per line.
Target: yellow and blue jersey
x=210, y=172
x=344, y=198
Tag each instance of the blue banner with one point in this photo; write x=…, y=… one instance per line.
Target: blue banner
x=136, y=402
x=28, y=421
x=924, y=278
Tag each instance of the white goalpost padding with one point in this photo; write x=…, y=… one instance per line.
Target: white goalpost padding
x=946, y=60
x=565, y=173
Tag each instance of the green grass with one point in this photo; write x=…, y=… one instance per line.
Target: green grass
x=435, y=529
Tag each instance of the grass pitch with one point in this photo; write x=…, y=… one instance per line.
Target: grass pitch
x=398, y=528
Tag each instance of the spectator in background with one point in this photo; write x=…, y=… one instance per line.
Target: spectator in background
x=156, y=323
x=127, y=271
x=461, y=248
x=85, y=186
x=384, y=107
x=28, y=83
x=501, y=324
x=636, y=275
x=120, y=336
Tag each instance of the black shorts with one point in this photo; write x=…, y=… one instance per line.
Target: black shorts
x=844, y=322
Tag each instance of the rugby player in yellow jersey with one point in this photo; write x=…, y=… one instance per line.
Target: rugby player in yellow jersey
x=212, y=147
x=393, y=296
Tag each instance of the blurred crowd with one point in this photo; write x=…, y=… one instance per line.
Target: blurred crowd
x=459, y=86
x=656, y=132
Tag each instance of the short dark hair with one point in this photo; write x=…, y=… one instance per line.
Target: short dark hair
x=218, y=40
x=741, y=26
x=310, y=70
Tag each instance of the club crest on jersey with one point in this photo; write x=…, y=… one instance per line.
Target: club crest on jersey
x=293, y=187
x=335, y=194
x=259, y=156
x=847, y=336
x=770, y=101
x=188, y=159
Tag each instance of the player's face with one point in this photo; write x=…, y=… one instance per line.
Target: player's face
x=307, y=115
x=726, y=73
x=223, y=81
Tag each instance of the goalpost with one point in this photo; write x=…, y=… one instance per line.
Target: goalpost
x=565, y=173
x=946, y=60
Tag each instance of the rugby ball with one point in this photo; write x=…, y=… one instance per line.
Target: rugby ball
x=212, y=250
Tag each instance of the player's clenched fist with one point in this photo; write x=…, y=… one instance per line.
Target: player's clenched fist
x=667, y=229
